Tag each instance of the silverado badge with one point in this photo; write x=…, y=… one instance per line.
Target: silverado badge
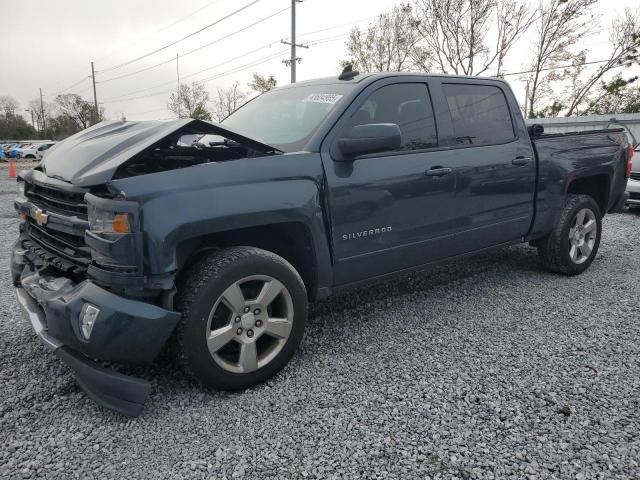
x=39, y=216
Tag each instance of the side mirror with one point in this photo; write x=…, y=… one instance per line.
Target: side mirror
x=370, y=138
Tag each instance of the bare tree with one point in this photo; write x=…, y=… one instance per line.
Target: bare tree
x=36, y=111
x=387, y=44
x=559, y=25
x=469, y=37
x=262, y=84
x=624, y=38
x=190, y=101
x=73, y=106
x=8, y=106
x=227, y=101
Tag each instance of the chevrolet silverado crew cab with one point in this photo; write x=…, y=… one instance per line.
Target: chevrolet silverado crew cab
x=214, y=237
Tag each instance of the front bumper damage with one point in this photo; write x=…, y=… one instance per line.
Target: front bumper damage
x=126, y=330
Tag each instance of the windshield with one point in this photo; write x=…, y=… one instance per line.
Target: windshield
x=286, y=118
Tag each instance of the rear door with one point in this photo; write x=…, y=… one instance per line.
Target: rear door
x=386, y=212
x=493, y=161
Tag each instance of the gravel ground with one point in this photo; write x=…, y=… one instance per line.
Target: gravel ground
x=484, y=368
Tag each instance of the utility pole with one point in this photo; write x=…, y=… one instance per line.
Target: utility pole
x=95, y=96
x=526, y=101
x=178, y=73
x=294, y=59
x=33, y=124
x=44, y=121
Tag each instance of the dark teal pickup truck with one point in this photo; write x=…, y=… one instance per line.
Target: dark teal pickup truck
x=214, y=237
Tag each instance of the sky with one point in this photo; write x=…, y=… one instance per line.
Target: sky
x=49, y=44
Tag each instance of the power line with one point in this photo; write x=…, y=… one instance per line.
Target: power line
x=142, y=39
x=235, y=12
x=139, y=41
x=328, y=39
x=119, y=98
x=84, y=79
x=337, y=26
x=244, y=67
x=560, y=66
x=195, y=73
x=220, y=75
x=196, y=49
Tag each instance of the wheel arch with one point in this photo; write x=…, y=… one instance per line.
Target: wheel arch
x=596, y=186
x=292, y=241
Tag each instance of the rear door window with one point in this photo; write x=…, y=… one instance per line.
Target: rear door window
x=480, y=114
x=406, y=104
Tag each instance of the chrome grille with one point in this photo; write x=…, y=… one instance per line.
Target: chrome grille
x=59, y=201
x=63, y=250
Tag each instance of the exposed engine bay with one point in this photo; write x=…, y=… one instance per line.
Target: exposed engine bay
x=187, y=147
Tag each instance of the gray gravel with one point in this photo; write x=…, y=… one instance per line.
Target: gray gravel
x=484, y=368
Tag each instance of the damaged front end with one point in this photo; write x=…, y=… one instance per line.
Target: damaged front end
x=79, y=264
x=114, y=150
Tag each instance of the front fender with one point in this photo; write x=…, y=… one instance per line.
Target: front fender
x=206, y=199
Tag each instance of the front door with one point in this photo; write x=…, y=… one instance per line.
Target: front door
x=387, y=211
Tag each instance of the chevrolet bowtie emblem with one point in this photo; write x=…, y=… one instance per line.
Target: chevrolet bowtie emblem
x=39, y=216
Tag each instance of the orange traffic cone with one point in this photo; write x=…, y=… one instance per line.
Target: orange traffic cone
x=12, y=169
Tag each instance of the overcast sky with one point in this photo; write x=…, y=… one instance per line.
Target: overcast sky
x=49, y=44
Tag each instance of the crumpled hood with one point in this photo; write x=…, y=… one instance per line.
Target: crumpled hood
x=91, y=157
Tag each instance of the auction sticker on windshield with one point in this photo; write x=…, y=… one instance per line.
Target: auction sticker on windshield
x=323, y=98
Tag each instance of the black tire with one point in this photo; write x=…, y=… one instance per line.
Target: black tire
x=203, y=286
x=554, y=249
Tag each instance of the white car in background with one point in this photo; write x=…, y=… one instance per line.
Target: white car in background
x=27, y=150
x=42, y=149
x=33, y=151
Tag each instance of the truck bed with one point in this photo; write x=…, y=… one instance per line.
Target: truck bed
x=565, y=157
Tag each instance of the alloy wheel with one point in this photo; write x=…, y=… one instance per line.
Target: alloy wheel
x=249, y=324
x=582, y=236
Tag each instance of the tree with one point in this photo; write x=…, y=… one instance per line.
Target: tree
x=624, y=38
x=262, y=84
x=560, y=24
x=15, y=127
x=227, y=101
x=8, y=106
x=61, y=126
x=387, y=44
x=469, y=37
x=190, y=102
x=73, y=106
x=619, y=95
x=34, y=108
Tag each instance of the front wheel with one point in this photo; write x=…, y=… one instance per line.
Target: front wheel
x=243, y=316
x=572, y=245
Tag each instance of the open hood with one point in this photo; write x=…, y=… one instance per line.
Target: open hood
x=92, y=156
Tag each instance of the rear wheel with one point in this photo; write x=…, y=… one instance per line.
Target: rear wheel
x=572, y=245
x=244, y=313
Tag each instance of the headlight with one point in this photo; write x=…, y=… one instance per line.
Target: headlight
x=104, y=221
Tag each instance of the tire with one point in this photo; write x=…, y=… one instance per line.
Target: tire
x=568, y=250
x=215, y=334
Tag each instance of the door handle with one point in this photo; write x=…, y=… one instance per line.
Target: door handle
x=438, y=171
x=521, y=161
